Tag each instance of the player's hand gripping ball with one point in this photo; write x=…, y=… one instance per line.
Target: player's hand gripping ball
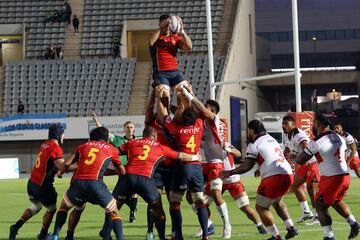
x=175, y=25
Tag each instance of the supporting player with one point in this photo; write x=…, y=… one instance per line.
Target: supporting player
x=276, y=177
x=144, y=155
x=116, y=141
x=296, y=141
x=163, y=50
x=93, y=158
x=329, y=149
x=40, y=185
x=352, y=156
x=188, y=131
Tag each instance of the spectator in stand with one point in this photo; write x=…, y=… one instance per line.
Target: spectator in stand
x=68, y=11
x=116, y=49
x=20, y=109
x=76, y=23
x=58, y=51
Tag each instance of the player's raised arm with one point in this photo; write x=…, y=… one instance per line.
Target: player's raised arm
x=150, y=113
x=231, y=149
x=206, y=113
x=96, y=121
x=154, y=37
x=162, y=109
x=186, y=43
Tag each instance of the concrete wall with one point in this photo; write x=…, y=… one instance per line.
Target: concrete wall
x=241, y=62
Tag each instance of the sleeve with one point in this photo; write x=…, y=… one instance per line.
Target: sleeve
x=57, y=153
x=178, y=40
x=286, y=141
x=312, y=148
x=115, y=157
x=251, y=151
x=168, y=152
x=123, y=148
x=349, y=139
x=170, y=125
x=301, y=136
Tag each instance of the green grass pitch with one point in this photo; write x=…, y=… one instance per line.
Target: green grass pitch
x=14, y=200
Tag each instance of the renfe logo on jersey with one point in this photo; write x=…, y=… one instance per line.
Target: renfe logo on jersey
x=148, y=142
x=192, y=130
x=98, y=144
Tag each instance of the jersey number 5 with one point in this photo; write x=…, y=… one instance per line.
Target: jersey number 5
x=92, y=156
x=145, y=153
x=191, y=144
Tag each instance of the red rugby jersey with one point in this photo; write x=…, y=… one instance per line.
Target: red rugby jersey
x=163, y=140
x=188, y=137
x=144, y=154
x=93, y=158
x=44, y=169
x=163, y=52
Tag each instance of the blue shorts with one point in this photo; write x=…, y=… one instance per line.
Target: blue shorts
x=194, y=177
x=178, y=180
x=170, y=77
x=163, y=176
x=92, y=191
x=45, y=194
x=132, y=183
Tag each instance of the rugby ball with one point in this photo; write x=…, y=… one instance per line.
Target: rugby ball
x=175, y=24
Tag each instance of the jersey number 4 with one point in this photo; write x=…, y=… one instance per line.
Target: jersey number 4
x=191, y=144
x=91, y=156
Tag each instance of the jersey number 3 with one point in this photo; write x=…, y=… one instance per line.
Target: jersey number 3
x=145, y=153
x=92, y=156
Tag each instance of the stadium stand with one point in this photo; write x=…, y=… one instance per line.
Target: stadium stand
x=33, y=13
x=73, y=86
x=103, y=21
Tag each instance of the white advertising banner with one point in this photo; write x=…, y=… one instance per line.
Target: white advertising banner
x=28, y=126
x=35, y=126
x=9, y=168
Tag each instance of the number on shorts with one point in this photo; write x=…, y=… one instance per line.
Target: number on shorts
x=281, y=155
x=92, y=156
x=37, y=164
x=191, y=143
x=145, y=153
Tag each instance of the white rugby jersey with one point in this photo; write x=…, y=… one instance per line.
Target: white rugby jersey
x=214, y=153
x=329, y=149
x=266, y=151
x=349, y=139
x=293, y=140
x=230, y=165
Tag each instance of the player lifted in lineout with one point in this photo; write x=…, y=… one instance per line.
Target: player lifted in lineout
x=164, y=45
x=40, y=185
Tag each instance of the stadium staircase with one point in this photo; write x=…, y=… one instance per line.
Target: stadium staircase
x=140, y=89
x=72, y=45
x=226, y=27
x=2, y=89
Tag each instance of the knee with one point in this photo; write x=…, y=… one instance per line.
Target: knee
x=198, y=199
x=51, y=208
x=175, y=198
x=35, y=208
x=243, y=202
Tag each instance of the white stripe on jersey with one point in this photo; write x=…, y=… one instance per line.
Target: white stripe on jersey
x=266, y=151
x=329, y=149
x=293, y=143
x=214, y=153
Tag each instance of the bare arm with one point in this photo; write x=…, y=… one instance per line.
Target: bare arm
x=162, y=110
x=244, y=167
x=149, y=114
x=232, y=150
x=353, y=151
x=154, y=37
x=186, y=43
x=302, y=158
x=96, y=121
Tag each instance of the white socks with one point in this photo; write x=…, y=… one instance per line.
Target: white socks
x=351, y=219
x=327, y=230
x=273, y=230
x=289, y=223
x=304, y=206
x=223, y=211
